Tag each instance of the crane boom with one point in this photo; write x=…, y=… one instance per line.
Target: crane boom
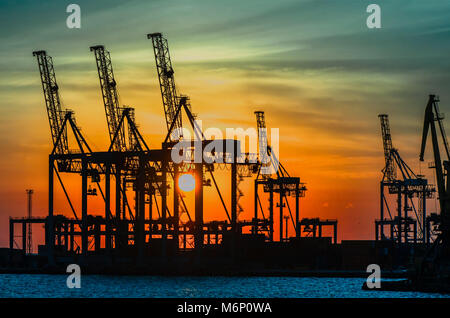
x=263, y=146
x=262, y=132
x=52, y=101
x=431, y=117
x=165, y=72
x=264, y=151
x=110, y=96
x=390, y=168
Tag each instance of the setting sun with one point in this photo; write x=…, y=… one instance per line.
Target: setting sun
x=186, y=182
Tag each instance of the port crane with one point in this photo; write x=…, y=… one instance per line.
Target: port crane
x=117, y=116
x=66, y=159
x=283, y=184
x=404, y=185
x=174, y=103
x=442, y=167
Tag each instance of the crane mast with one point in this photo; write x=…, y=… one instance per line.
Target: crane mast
x=110, y=97
x=390, y=168
x=52, y=101
x=165, y=72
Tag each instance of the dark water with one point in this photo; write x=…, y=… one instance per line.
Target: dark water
x=25, y=285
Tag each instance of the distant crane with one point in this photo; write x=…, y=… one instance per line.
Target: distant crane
x=110, y=96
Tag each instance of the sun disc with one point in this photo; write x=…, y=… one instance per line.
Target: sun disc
x=186, y=182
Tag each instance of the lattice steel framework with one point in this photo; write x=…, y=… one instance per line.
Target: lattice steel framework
x=165, y=72
x=110, y=96
x=52, y=101
x=390, y=169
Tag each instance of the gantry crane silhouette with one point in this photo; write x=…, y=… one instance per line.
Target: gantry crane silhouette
x=282, y=183
x=439, y=254
x=129, y=160
x=405, y=185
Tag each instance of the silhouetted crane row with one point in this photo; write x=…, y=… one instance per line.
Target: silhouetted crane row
x=403, y=228
x=133, y=230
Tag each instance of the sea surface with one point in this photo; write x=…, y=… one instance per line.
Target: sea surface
x=98, y=286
